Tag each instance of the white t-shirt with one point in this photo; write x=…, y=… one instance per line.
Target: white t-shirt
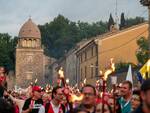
x=42, y=109
x=55, y=108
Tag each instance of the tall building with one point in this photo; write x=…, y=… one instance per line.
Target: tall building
x=29, y=55
x=95, y=55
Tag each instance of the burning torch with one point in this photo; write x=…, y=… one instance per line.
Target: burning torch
x=106, y=74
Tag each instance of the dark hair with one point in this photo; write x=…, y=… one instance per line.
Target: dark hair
x=54, y=91
x=136, y=92
x=146, y=85
x=1, y=91
x=89, y=85
x=78, y=109
x=129, y=83
x=5, y=69
x=6, y=107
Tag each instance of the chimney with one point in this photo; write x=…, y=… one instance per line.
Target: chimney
x=114, y=28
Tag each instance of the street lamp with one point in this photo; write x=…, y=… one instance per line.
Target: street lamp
x=147, y=3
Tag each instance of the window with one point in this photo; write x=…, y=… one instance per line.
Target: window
x=85, y=71
x=92, y=71
x=92, y=50
x=95, y=50
x=85, y=55
x=81, y=74
x=96, y=70
x=29, y=75
x=81, y=58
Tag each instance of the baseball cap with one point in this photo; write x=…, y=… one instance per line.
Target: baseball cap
x=36, y=88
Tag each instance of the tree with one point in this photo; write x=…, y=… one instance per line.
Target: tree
x=7, y=50
x=142, y=52
x=110, y=22
x=134, y=21
x=122, y=21
x=61, y=34
x=123, y=66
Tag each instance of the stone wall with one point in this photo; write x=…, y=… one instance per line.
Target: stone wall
x=29, y=66
x=11, y=80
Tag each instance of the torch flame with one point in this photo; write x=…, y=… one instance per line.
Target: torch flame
x=113, y=67
x=101, y=72
x=97, y=81
x=101, y=94
x=35, y=80
x=76, y=85
x=76, y=98
x=61, y=73
x=84, y=81
x=109, y=71
x=112, y=64
x=67, y=81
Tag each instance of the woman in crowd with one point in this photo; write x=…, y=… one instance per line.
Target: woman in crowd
x=136, y=99
x=46, y=98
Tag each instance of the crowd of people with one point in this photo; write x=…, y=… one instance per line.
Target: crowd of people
x=66, y=99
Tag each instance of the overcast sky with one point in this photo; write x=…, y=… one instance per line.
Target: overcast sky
x=13, y=13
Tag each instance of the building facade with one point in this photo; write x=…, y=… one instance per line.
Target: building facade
x=88, y=62
x=71, y=63
x=29, y=55
x=96, y=54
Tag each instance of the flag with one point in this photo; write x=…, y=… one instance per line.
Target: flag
x=145, y=70
x=129, y=74
x=139, y=77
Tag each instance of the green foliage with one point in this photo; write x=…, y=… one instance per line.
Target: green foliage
x=110, y=22
x=128, y=22
x=7, y=50
x=122, y=21
x=58, y=36
x=61, y=34
x=142, y=52
x=122, y=66
x=134, y=21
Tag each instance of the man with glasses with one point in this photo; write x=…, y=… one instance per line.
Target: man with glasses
x=89, y=99
x=55, y=106
x=34, y=104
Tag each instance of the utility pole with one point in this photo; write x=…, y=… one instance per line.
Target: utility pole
x=116, y=14
x=147, y=4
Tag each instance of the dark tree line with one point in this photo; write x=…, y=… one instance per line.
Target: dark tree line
x=61, y=34
x=125, y=22
x=7, y=51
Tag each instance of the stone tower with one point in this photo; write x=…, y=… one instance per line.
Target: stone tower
x=29, y=55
